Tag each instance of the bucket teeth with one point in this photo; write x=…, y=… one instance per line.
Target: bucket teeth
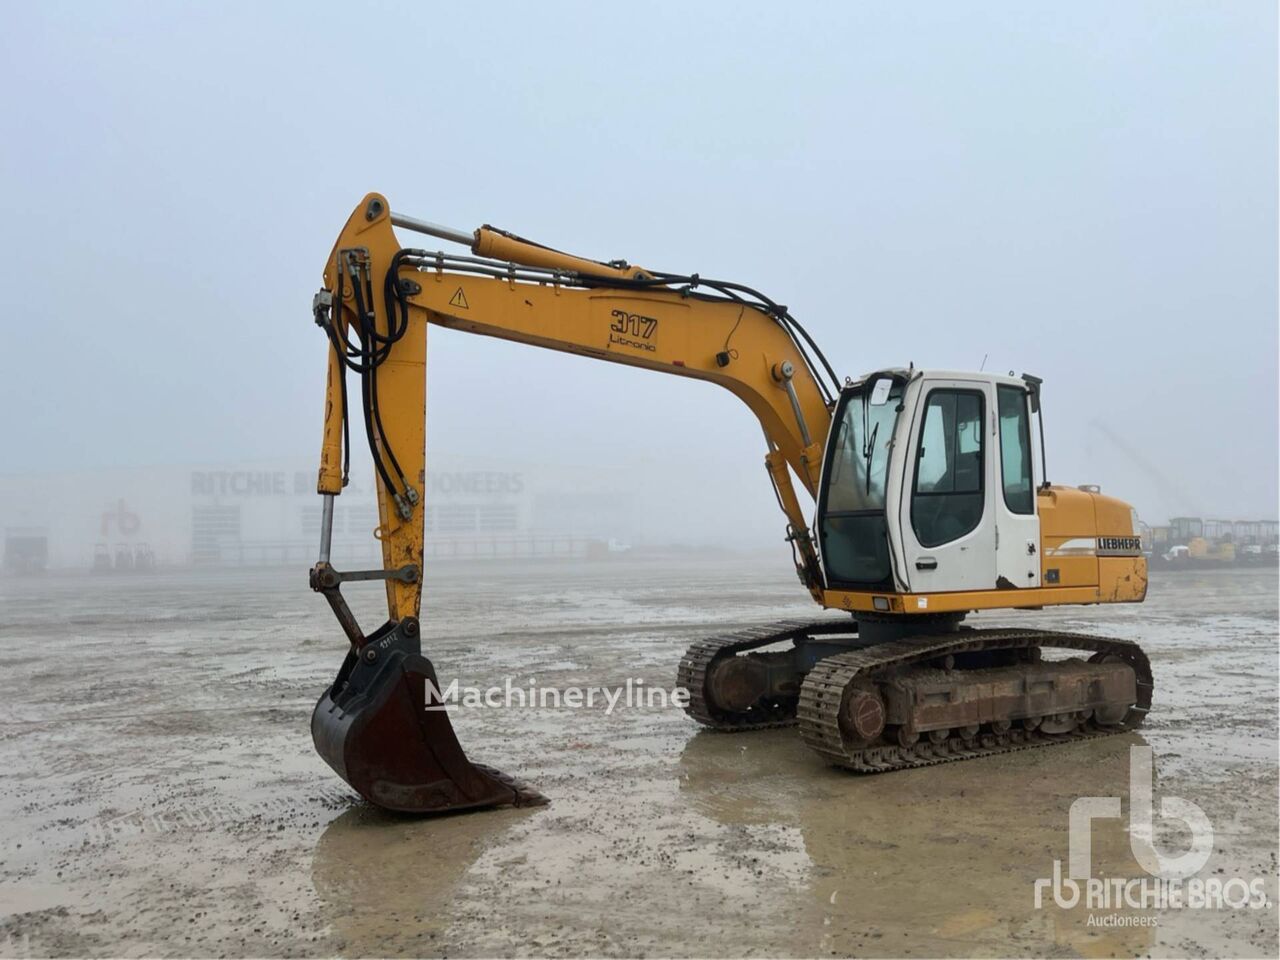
x=525, y=795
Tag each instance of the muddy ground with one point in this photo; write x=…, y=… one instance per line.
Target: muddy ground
x=160, y=795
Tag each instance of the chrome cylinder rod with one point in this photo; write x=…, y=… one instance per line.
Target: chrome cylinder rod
x=326, y=527
x=433, y=229
x=784, y=372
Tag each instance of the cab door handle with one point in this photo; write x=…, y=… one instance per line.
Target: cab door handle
x=926, y=563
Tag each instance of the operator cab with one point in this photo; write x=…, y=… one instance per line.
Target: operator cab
x=928, y=484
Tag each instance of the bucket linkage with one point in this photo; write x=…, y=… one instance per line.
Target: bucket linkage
x=375, y=727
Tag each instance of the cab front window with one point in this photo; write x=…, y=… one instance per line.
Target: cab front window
x=853, y=527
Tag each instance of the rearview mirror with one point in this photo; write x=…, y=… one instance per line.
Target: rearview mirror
x=880, y=392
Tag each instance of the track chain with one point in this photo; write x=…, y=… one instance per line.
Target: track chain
x=696, y=664
x=824, y=687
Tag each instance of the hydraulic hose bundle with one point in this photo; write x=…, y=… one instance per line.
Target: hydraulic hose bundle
x=364, y=356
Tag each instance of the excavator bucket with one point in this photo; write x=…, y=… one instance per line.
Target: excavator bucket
x=376, y=729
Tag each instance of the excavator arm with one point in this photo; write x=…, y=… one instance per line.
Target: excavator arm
x=376, y=305
x=545, y=298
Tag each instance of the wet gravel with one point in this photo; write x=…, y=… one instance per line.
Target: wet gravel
x=160, y=796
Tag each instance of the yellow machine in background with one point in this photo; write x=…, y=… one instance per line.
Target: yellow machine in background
x=1198, y=548
x=926, y=501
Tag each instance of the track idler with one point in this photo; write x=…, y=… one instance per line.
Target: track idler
x=375, y=728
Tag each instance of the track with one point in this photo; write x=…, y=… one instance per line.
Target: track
x=817, y=709
x=822, y=695
x=698, y=659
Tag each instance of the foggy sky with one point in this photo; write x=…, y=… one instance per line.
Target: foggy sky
x=1083, y=191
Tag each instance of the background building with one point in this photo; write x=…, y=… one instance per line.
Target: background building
x=267, y=512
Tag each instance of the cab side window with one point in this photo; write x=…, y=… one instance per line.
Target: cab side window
x=1015, y=450
x=946, y=501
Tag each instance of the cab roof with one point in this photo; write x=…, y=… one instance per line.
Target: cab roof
x=911, y=373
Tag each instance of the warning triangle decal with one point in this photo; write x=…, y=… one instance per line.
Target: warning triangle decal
x=459, y=299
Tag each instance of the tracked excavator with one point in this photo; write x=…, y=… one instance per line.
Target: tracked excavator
x=928, y=502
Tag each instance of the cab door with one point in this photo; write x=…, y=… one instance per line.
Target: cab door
x=947, y=510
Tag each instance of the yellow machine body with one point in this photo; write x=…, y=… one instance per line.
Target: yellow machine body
x=1071, y=523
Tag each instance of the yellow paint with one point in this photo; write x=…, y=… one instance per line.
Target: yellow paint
x=962, y=600
x=501, y=246
x=1122, y=579
x=659, y=330
x=1066, y=515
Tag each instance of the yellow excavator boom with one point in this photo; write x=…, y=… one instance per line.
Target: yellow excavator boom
x=650, y=324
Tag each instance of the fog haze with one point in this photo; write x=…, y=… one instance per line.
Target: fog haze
x=1083, y=191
